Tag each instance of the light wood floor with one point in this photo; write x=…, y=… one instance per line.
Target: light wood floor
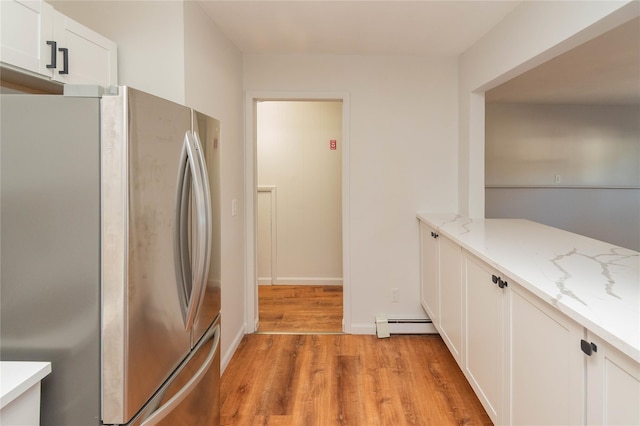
x=340, y=379
x=300, y=308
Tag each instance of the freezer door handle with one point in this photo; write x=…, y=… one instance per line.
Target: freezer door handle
x=176, y=399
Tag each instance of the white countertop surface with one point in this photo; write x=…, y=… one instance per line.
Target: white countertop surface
x=18, y=376
x=595, y=283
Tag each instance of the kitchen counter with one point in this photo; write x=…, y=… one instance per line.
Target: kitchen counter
x=592, y=282
x=20, y=391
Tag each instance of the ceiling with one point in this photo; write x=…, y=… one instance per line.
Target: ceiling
x=359, y=27
x=603, y=70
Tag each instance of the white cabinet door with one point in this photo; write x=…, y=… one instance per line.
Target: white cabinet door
x=451, y=297
x=613, y=392
x=90, y=57
x=485, y=359
x=429, y=274
x=25, y=27
x=38, y=39
x=547, y=365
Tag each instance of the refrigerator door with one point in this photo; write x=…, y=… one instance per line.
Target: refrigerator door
x=207, y=131
x=192, y=395
x=143, y=312
x=50, y=244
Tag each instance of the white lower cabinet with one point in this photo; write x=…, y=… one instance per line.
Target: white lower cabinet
x=528, y=363
x=485, y=356
x=451, y=297
x=441, y=290
x=429, y=272
x=547, y=366
x=613, y=386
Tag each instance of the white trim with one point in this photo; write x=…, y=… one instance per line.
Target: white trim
x=251, y=280
x=226, y=358
x=274, y=233
x=559, y=186
x=308, y=281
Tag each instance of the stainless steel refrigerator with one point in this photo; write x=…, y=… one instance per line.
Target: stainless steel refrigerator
x=110, y=255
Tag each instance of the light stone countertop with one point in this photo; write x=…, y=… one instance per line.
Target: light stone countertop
x=594, y=283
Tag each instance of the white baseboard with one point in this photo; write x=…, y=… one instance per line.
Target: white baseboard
x=308, y=281
x=226, y=357
x=411, y=328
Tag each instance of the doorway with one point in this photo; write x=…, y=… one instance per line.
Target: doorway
x=299, y=215
x=287, y=249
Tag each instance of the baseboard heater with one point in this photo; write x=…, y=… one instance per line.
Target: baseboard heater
x=386, y=326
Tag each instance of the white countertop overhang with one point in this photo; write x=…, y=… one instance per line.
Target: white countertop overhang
x=16, y=377
x=592, y=282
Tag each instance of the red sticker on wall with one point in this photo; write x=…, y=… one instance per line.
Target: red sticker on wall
x=333, y=145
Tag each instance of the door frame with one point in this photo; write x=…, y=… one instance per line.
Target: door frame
x=251, y=185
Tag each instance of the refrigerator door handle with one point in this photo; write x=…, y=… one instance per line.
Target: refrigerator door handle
x=184, y=279
x=202, y=226
x=208, y=238
x=176, y=399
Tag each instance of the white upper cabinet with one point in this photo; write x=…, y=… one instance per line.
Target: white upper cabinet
x=42, y=41
x=92, y=58
x=25, y=28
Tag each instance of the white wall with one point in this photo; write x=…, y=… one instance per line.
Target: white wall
x=532, y=34
x=173, y=50
x=585, y=145
x=403, y=156
x=294, y=156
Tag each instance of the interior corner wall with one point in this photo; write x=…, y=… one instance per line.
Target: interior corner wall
x=530, y=35
x=403, y=159
x=294, y=156
x=150, y=39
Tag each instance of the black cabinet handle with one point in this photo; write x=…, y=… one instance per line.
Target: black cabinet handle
x=65, y=60
x=498, y=280
x=54, y=53
x=588, y=347
x=434, y=235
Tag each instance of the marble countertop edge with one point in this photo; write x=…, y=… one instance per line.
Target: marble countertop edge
x=464, y=231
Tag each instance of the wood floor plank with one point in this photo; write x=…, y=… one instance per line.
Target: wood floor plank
x=341, y=379
x=300, y=308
